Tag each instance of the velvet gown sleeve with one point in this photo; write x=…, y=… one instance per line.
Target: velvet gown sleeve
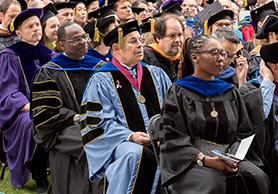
x=176, y=150
x=50, y=116
x=12, y=86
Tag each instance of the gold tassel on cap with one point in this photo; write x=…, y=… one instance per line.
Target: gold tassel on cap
x=106, y=2
x=206, y=28
x=152, y=21
x=12, y=26
x=75, y=11
x=96, y=34
x=120, y=37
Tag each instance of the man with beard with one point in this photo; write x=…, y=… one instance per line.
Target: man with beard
x=18, y=65
x=56, y=97
x=165, y=52
x=118, y=102
x=9, y=9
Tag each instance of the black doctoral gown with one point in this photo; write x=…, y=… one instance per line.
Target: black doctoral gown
x=186, y=116
x=56, y=98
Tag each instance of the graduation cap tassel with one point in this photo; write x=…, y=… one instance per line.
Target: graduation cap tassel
x=75, y=11
x=120, y=37
x=96, y=33
x=152, y=21
x=106, y=2
x=12, y=26
x=206, y=28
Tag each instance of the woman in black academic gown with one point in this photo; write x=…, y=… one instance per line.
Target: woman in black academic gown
x=203, y=112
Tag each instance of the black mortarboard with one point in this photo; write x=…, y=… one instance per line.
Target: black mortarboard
x=261, y=12
x=213, y=13
x=151, y=1
x=88, y=2
x=269, y=53
x=117, y=34
x=96, y=27
x=223, y=14
x=22, y=16
x=102, y=12
x=270, y=25
x=48, y=11
x=63, y=5
x=137, y=10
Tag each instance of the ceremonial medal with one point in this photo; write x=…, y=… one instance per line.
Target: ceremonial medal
x=141, y=99
x=136, y=83
x=214, y=113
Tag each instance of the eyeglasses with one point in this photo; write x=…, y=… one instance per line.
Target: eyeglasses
x=77, y=40
x=215, y=52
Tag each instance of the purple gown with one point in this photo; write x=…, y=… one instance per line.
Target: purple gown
x=18, y=64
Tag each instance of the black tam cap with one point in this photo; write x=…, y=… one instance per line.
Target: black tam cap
x=213, y=13
x=22, y=16
x=270, y=25
x=96, y=28
x=102, y=12
x=269, y=53
x=261, y=12
x=88, y=2
x=48, y=11
x=119, y=32
x=172, y=7
x=63, y=5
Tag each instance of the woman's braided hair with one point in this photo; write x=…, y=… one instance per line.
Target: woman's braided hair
x=190, y=46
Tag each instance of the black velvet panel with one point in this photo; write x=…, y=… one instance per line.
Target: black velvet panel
x=146, y=173
x=148, y=90
x=89, y=121
x=91, y=135
x=47, y=101
x=44, y=116
x=91, y=107
x=129, y=103
x=44, y=86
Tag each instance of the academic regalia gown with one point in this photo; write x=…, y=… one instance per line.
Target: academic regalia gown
x=56, y=96
x=94, y=53
x=187, y=114
x=111, y=113
x=153, y=57
x=18, y=63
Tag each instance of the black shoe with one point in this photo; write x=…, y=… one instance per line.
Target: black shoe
x=42, y=187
